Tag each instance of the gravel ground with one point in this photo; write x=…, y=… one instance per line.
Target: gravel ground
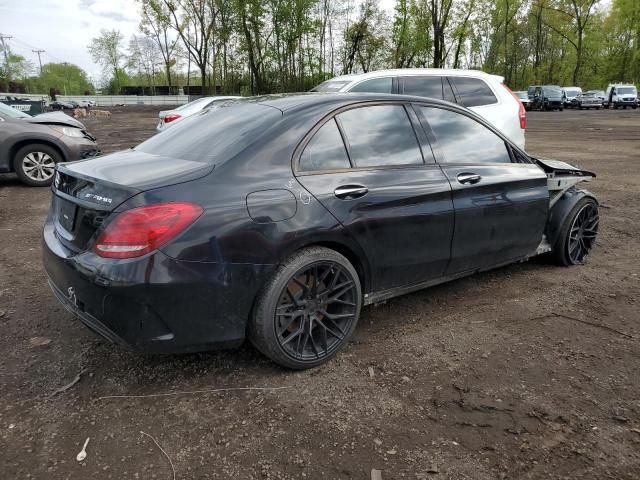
x=529, y=371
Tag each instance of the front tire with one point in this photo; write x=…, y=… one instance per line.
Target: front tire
x=308, y=310
x=35, y=164
x=578, y=234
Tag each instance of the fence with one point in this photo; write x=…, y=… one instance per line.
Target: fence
x=114, y=100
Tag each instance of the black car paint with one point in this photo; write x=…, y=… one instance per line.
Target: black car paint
x=197, y=292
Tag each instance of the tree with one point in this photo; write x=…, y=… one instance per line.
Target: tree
x=156, y=24
x=107, y=51
x=61, y=77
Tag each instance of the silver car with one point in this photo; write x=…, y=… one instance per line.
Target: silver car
x=171, y=117
x=31, y=146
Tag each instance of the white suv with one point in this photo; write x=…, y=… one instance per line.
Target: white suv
x=483, y=93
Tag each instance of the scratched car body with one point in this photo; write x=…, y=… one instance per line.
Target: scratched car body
x=279, y=218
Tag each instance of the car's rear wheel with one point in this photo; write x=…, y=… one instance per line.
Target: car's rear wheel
x=35, y=164
x=578, y=235
x=307, y=312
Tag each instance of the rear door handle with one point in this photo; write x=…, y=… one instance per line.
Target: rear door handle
x=347, y=192
x=469, y=178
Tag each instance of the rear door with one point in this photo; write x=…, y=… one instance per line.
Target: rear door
x=501, y=203
x=366, y=167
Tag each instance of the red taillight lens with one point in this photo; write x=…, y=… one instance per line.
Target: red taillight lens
x=522, y=113
x=140, y=230
x=171, y=118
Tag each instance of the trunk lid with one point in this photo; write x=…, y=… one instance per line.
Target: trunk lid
x=87, y=192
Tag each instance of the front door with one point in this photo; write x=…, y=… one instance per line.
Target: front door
x=377, y=184
x=501, y=206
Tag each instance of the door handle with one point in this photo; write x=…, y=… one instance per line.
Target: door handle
x=469, y=178
x=346, y=192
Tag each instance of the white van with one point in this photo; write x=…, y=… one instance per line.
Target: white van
x=481, y=92
x=621, y=95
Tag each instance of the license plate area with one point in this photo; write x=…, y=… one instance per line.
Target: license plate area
x=66, y=214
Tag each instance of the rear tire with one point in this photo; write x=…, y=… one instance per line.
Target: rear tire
x=577, y=236
x=35, y=164
x=308, y=310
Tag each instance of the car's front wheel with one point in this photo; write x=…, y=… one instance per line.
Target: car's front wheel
x=35, y=164
x=308, y=310
x=578, y=234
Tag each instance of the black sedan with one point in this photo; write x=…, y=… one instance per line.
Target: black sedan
x=278, y=218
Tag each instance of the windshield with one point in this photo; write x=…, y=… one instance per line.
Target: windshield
x=523, y=95
x=552, y=91
x=12, y=112
x=330, y=86
x=626, y=91
x=213, y=135
x=572, y=93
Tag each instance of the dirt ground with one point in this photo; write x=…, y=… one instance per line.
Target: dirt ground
x=529, y=371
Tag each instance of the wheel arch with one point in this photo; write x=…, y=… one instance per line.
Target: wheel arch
x=352, y=253
x=13, y=150
x=560, y=211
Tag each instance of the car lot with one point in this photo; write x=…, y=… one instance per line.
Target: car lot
x=503, y=374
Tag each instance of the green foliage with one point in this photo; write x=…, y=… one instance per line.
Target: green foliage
x=62, y=78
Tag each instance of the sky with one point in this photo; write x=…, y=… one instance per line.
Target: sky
x=64, y=28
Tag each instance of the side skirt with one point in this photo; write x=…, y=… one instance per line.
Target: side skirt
x=383, y=295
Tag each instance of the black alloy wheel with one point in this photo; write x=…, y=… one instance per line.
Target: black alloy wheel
x=309, y=310
x=578, y=236
x=315, y=310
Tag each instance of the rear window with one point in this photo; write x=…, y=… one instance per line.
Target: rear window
x=213, y=135
x=473, y=92
x=380, y=135
x=375, y=85
x=430, y=86
x=330, y=86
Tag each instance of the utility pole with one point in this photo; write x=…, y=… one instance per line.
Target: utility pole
x=6, y=54
x=39, y=59
x=66, y=76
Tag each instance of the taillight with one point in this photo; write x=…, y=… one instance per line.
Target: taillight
x=144, y=229
x=171, y=118
x=522, y=113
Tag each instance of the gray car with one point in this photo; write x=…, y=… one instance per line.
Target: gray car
x=31, y=146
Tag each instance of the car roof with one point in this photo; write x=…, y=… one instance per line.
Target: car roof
x=453, y=72
x=287, y=102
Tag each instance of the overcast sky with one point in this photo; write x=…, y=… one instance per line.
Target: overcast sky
x=64, y=28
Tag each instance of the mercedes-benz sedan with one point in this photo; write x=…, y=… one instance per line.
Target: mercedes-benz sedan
x=279, y=218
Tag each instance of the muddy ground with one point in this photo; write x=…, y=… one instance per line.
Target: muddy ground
x=487, y=377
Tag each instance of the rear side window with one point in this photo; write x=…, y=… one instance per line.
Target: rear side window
x=213, y=136
x=462, y=139
x=375, y=85
x=380, y=135
x=325, y=151
x=473, y=92
x=423, y=86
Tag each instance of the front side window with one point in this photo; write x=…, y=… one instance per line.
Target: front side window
x=423, y=86
x=473, y=92
x=375, y=85
x=325, y=151
x=380, y=135
x=461, y=139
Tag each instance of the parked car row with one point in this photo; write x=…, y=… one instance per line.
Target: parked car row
x=554, y=97
x=71, y=104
